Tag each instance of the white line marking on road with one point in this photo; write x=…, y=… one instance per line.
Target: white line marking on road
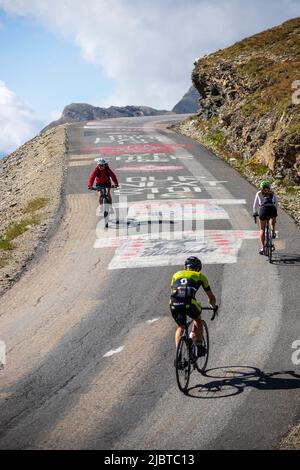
x=214, y=183
x=114, y=351
x=2, y=354
x=152, y=321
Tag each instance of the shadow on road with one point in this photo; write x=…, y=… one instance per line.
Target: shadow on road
x=286, y=259
x=233, y=380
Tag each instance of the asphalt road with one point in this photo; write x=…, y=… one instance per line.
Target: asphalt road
x=89, y=337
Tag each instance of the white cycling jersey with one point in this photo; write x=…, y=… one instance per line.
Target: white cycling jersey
x=259, y=200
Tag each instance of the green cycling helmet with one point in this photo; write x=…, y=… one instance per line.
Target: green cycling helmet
x=265, y=184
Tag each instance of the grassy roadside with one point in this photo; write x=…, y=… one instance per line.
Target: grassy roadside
x=16, y=229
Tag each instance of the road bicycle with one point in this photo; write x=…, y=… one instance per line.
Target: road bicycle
x=269, y=246
x=187, y=358
x=105, y=205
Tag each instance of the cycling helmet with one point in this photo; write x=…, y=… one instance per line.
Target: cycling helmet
x=265, y=184
x=101, y=161
x=193, y=263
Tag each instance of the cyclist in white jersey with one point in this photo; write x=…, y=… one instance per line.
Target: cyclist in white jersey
x=265, y=206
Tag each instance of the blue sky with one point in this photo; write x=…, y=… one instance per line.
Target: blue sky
x=111, y=52
x=46, y=70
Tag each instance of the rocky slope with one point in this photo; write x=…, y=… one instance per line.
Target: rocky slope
x=31, y=186
x=246, y=95
x=189, y=102
x=77, y=112
x=250, y=112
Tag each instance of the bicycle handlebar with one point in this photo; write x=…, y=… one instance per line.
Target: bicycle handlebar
x=215, y=310
x=96, y=189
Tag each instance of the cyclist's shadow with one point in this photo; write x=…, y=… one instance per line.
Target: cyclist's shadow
x=286, y=259
x=233, y=380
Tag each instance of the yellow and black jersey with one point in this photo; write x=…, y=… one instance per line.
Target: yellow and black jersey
x=185, y=283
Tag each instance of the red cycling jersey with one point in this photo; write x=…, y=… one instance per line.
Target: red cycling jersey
x=102, y=176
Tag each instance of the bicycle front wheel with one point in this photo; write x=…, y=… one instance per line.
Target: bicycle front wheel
x=201, y=362
x=270, y=253
x=183, y=364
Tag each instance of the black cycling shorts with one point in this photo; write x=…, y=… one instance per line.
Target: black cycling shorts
x=103, y=185
x=267, y=212
x=180, y=313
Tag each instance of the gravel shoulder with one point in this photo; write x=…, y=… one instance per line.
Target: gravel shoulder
x=292, y=440
x=32, y=194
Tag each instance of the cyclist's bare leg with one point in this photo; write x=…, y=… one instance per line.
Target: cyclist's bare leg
x=262, y=224
x=198, y=329
x=273, y=223
x=108, y=195
x=100, y=197
x=178, y=334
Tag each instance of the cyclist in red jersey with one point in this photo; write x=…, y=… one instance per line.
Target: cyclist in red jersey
x=103, y=176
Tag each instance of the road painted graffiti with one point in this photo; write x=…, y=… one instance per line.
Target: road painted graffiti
x=166, y=187
x=216, y=247
x=136, y=247
x=119, y=129
x=138, y=148
x=121, y=139
x=152, y=158
x=296, y=354
x=150, y=168
x=189, y=209
x=153, y=217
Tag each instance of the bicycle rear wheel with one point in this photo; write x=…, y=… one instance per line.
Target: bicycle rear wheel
x=270, y=245
x=266, y=245
x=267, y=240
x=183, y=364
x=270, y=253
x=201, y=362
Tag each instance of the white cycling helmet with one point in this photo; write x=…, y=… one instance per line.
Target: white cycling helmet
x=100, y=161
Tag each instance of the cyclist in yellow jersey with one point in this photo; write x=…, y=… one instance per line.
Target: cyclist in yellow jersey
x=185, y=284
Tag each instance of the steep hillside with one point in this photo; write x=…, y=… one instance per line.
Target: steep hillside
x=189, y=103
x=250, y=108
x=247, y=98
x=31, y=187
x=77, y=112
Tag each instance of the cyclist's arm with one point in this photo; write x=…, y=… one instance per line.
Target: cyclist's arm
x=172, y=282
x=211, y=298
x=256, y=204
x=275, y=200
x=208, y=291
x=92, y=178
x=113, y=177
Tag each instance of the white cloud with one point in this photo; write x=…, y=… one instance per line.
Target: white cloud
x=55, y=115
x=148, y=47
x=18, y=123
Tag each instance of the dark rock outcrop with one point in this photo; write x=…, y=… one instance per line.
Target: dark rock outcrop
x=189, y=102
